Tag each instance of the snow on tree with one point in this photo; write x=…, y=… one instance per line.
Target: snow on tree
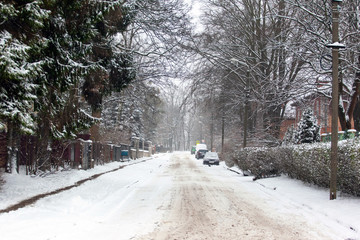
x=19, y=42
x=114, y=69
x=308, y=131
x=17, y=68
x=47, y=50
x=53, y=53
x=316, y=21
x=257, y=51
x=80, y=56
x=156, y=56
x=289, y=137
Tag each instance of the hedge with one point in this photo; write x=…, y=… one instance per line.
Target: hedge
x=307, y=162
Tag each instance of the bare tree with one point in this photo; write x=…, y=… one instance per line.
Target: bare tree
x=260, y=53
x=154, y=39
x=316, y=23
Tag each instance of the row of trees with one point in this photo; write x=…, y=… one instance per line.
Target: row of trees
x=64, y=64
x=67, y=66
x=258, y=56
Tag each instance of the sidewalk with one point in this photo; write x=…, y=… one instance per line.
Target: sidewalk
x=20, y=190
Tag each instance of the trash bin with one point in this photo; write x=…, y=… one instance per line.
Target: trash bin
x=125, y=155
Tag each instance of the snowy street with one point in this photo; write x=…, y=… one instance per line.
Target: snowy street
x=174, y=196
x=105, y=107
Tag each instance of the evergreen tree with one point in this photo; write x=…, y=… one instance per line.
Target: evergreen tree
x=308, y=131
x=68, y=31
x=47, y=50
x=114, y=69
x=289, y=137
x=78, y=55
x=19, y=23
x=52, y=52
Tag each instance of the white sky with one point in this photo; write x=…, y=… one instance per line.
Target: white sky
x=195, y=13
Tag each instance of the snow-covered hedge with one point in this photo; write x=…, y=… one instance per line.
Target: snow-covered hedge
x=307, y=162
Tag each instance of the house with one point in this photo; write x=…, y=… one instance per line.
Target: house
x=320, y=102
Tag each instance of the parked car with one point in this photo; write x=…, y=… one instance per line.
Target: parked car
x=211, y=158
x=200, y=153
x=193, y=150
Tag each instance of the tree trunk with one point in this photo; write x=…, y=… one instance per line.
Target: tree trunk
x=70, y=108
x=347, y=123
x=13, y=145
x=357, y=117
x=95, y=129
x=44, y=147
x=354, y=100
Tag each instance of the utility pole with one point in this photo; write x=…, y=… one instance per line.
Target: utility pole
x=335, y=96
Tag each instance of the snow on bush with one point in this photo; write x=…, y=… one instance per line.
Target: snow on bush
x=289, y=137
x=307, y=162
x=307, y=131
x=258, y=161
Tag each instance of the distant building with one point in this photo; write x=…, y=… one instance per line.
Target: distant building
x=320, y=104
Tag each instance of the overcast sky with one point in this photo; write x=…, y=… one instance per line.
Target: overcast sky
x=196, y=8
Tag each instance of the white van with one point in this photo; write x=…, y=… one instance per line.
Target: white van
x=201, y=146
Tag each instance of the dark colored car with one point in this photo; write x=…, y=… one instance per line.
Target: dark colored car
x=193, y=150
x=211, y=158
x=201, y=153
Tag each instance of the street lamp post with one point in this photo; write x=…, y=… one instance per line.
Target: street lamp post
x=335, y=45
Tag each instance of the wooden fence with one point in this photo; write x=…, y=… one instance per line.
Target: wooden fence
x=81, y=153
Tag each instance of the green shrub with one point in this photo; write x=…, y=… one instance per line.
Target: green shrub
x=307, y=162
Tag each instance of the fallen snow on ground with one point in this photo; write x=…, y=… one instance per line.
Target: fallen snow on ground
x=18, y=187
x=290, y=196
x=75, y=214
x=99, y=209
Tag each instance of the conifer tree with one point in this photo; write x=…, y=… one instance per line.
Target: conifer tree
x=19, y=23
x=289, y=137
x=114, y=69
x=308, y=131
x=78, y=55
x=47, y=50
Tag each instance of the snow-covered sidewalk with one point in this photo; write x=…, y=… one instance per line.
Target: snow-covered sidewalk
x=108, y=207
x=18, y=187
x=290, y=196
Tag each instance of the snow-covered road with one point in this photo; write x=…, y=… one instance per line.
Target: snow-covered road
x=206, y=205
x=174, y=196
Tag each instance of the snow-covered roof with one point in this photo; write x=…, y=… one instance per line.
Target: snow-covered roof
x=290, y=110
